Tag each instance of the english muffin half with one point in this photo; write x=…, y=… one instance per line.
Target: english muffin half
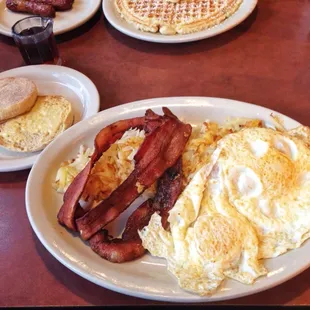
x=17, y=96
x=34, y=130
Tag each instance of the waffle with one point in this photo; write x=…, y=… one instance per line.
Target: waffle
x=171, y=17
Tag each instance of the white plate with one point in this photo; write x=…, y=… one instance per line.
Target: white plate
x=120, y=24
x=146, y=277
x=81, y=12
x=53, y=80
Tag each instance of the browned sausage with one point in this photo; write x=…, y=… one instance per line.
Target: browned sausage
x=26, y=6
x=59, y=5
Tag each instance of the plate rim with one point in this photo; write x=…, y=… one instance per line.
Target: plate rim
x=90, y=87
x=114, y=20
x=141, y=104
x=66, y=28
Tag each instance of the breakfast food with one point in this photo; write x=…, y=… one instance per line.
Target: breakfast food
x=251, y=201
x=129, y=246
x=27, y=6
x=17, y=96
x=45, y=8
x=69, y=169
x=158, y=158
x=224, y=198
x=203, y=245
x=176, y=17
x=115, y=169
x=58, y=5
x=164, y=143
x=32, y=131
x=104, y=139
x=116, y=164
x=203, y=141
x=265, y=175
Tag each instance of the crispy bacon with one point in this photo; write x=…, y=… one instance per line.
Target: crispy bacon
x=169, y=188
x=160, y=150
x=152, y=121
x=107, y=136
x=79, y=212
x=129, y=247
x=104, y=139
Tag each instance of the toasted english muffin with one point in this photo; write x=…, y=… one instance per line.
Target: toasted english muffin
x=17, y=96
x=34, y=130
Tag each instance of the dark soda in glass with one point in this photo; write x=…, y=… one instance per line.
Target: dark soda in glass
x=35, y=40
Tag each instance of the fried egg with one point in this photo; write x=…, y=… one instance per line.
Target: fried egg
x=250, y=201
x=265, y=176
x=203, y=142
x=204, y=245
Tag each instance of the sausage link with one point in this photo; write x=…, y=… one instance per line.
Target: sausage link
x=26, y=6
x=59, y=5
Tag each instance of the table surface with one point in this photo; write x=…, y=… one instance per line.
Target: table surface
x=265, y=60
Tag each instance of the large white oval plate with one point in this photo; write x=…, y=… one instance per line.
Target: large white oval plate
x=146, y=277
x=81, y=12
x=121, y=25
x=53, y=80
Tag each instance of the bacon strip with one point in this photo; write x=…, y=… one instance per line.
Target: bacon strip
x=129, y=247
x=169, y=189
x=103, y=140
x=79, y=212
x=160, y=150
x=152, y=121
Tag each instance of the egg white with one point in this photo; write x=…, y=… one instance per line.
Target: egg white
x=271, y=189
x=204, y=245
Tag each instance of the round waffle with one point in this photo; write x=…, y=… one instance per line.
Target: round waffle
x=183, y=16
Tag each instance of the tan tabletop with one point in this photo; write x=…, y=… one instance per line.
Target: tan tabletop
x=265, y=60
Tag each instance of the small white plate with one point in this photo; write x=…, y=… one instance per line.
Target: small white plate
x=53, y=80
x=146, y=277
x=120, y=24
x=81, y=12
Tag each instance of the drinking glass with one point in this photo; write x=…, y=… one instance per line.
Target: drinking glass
x=35, y=39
